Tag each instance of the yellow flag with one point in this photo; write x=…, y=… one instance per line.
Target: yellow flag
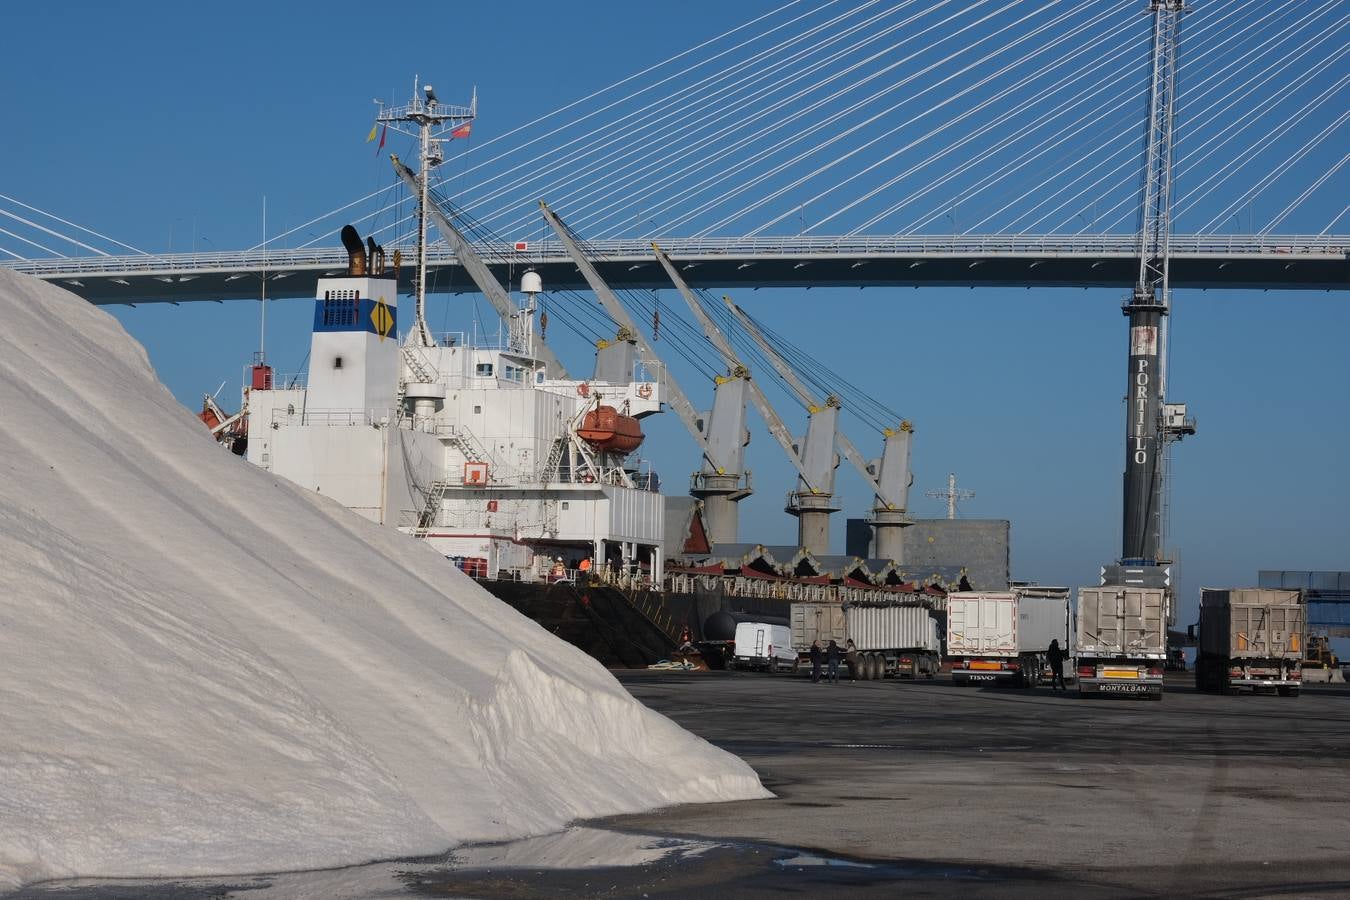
x=370, y=137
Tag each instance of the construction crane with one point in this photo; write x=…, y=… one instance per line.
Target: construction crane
x=889, y=477
x=721, y=483
x=1151, y=422
x=477, y=270
x=816, y=470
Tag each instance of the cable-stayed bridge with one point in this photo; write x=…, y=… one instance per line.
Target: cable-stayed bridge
x=1221, y=261
x=860, y=143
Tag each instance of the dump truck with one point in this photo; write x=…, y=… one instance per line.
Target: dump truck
x=1121, y=640
x=1042, y=617
x=1001, y=637
x=896, y=640
x=1250, y=638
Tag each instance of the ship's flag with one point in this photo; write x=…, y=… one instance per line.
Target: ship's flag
x=380, y=146
x=462, y=131
x=370, y=137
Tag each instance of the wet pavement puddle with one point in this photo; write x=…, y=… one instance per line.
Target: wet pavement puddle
x=578, y=862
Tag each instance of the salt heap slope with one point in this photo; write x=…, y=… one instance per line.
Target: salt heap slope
x=204, y=669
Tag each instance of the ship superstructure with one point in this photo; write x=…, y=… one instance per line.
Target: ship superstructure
x=468, y=444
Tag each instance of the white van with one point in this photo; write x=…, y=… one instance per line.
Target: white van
x=763, y=646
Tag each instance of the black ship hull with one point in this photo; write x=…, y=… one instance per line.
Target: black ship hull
x=632, y=629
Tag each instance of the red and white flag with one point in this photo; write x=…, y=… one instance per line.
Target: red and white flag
x=462, y=131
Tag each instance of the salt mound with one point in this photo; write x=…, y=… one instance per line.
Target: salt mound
x=204, y=669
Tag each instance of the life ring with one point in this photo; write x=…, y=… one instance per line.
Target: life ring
x=644, y=391
x=583, y=389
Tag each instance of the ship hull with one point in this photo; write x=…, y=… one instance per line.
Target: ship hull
x=627, y=629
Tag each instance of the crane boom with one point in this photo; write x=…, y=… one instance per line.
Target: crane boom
x=477, y=269
x=772, y=420
x=676, y=397
x=846, y=446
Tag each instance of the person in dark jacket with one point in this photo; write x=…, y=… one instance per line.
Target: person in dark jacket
x=832, y=656
x=817, y=657
x=1055, y=656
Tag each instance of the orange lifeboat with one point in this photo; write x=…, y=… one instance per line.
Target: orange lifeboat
x=606, y=429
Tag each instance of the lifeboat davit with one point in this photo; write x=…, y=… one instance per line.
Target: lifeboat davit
x=606, y=429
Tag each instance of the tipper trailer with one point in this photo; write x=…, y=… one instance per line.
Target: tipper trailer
x=1250, y=638
x=1121, y=640
x=900, y=640
x=1001, y=637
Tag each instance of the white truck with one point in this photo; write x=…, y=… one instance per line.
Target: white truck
x=1121, y=640
x=1001, y=637
x=760, y=645
x=900, y=640
x=1251, y=638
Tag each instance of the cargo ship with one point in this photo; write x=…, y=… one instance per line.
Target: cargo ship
x=529, y=480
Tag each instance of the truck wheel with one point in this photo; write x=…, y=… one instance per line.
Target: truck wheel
x=874, y=667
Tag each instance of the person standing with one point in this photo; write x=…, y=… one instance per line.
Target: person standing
x=1055, y=655
x=832, y=655
x=851, y=659
x=817, y=656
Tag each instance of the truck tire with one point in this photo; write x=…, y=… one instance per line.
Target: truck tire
x=876, y=667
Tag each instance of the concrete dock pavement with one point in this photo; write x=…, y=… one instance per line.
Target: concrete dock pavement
x=1199, y=794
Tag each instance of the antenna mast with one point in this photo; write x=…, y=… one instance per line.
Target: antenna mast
x=951, y=495
x=431, y=120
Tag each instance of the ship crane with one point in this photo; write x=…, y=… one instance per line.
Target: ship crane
x=815, y=461
x=477, y=270
x=721, y=482
x=889, y=477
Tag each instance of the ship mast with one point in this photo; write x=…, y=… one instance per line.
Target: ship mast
x=431, y=120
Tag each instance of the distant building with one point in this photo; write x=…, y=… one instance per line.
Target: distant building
x=980, y=546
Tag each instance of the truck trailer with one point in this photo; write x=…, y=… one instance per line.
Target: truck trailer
x=1121, y=640
x=900, y=640
x=1001, y=637
x=1250, y=638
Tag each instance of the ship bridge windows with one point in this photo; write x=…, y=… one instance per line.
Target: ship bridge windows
x=483, y=370
x=513, y=373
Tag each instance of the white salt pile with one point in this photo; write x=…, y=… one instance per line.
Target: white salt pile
x=204, y=669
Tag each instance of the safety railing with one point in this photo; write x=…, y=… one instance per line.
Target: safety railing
x=283, y=263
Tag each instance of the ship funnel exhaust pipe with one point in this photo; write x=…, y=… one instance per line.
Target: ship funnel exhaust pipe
x=374, y=257
x=356, y=251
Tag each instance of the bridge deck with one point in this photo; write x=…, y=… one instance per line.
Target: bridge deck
x=1229, y=262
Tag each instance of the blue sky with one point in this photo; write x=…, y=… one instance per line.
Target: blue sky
x=164, y=125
